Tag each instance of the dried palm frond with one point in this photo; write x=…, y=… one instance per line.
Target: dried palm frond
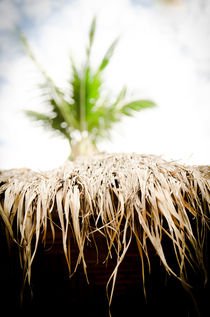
x=121, y=196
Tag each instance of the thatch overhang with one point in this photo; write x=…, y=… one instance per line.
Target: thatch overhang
x=119, y=198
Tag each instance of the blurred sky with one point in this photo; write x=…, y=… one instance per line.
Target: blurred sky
x=163, y=55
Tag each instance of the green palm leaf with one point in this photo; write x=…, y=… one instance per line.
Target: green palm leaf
x=91, y=35
x=56, y=123
x=137, y=105
x=108, y=55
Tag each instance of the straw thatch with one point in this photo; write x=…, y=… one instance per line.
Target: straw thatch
x=120, y=196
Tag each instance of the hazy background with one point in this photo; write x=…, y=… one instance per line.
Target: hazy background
x=163, y=55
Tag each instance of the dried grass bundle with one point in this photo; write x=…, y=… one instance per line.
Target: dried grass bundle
x=121, y=196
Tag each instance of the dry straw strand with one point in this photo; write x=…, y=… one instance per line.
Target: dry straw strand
x=121, y=196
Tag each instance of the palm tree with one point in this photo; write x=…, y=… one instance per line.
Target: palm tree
x=83, y=108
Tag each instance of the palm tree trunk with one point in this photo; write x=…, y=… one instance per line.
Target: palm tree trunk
x=82, y=148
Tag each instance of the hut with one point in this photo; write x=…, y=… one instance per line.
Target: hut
x=118, y=234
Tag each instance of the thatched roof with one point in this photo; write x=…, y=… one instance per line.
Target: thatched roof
x=120, y=196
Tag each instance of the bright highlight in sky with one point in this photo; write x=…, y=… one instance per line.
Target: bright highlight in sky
x=163, y=55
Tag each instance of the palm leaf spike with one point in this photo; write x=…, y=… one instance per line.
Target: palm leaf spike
x=84, y=82
x=108, y=55
x=91, y=36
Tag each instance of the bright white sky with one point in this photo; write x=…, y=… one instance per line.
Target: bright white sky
x=163, y=55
